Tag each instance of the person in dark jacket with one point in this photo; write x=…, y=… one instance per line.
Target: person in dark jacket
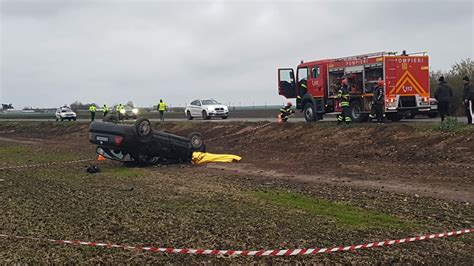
x=468, y=99
x=443, y=95
x=379, y=100
x=286, y=111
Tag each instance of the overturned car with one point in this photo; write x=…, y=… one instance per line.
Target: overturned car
x=140, y=143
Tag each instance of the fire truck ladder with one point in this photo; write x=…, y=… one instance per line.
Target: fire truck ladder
x=363, y=56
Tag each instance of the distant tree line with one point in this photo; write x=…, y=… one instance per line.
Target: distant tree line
x=454, y=78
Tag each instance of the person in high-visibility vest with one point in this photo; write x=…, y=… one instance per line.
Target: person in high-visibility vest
x=120, y=111
x=92, y=110
x=105, y=109
x=344, y=96
x=162, y=108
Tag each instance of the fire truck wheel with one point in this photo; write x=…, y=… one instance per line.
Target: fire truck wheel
x=309, y=112
x=356, y=112
x=410, y=114
x=432, y=115
x=394, y=117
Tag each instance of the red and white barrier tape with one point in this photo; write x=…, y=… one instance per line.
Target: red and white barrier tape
x=258, y=253
x=45, y=164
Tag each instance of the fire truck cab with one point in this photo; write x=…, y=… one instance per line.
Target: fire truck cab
x=406, y=79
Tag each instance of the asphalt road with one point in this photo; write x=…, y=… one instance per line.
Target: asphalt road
x=327, y=118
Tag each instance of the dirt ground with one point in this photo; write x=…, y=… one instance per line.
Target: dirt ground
x=299, y=185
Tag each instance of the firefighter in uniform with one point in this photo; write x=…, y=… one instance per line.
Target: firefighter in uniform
x=378, y=102
x=301, y=92
x=92, y=110
x=286, y=111
x=162, y=109
x=344, y=95
x=105, y=109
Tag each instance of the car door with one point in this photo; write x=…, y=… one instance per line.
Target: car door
x=192, y=108
x=198, y=108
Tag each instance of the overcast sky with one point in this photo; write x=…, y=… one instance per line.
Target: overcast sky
x=56, y=52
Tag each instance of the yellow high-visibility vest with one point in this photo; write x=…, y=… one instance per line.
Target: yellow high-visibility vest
x=161, y=107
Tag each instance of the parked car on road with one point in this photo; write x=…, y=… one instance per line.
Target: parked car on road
x=65, y=112
x=206, y=109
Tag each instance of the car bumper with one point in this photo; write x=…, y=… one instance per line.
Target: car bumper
x=218, y=114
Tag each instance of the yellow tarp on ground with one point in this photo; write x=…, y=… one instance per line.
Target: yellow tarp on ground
x=205, y=157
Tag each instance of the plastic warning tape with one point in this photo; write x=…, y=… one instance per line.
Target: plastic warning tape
x=44, y=164
x=258, y=253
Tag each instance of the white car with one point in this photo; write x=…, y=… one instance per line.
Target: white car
x=64, y=112
x=206, y=109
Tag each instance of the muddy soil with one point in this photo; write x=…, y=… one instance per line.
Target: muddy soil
x=417, y=175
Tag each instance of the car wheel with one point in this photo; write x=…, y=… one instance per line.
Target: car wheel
x=62, y=119
x=189, y=116
x=74, y=119
x=197, y=141
x=309, y=112
x=57, y=119
x=224, y=117
x=143, y=130
x=204, y=115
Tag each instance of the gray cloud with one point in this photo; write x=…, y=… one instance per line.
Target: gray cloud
x=55, y=52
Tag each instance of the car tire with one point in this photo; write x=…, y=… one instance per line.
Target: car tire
x=309, y=112
x=189, y=116
x=74, y=119
x=143, y=130
x=205, y=116
x=224, y=117
x=197, y=141
x=62, y=119
x=57, y=119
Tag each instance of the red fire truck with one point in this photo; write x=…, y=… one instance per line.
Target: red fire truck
x=406, y=76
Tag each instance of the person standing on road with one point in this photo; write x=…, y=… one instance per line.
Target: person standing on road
x=105, y=109
x=379, y=100
x=92, y=110
x=162, y=109
x=344, y=95
x=120, y=110
x=468, y=99
x=443, y=95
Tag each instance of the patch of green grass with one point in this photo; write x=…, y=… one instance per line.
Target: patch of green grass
x=451, y=125
x=122, y=171
x=343, y=213
x=19, y=154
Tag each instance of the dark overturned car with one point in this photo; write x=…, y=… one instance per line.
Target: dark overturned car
x=141, y=144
